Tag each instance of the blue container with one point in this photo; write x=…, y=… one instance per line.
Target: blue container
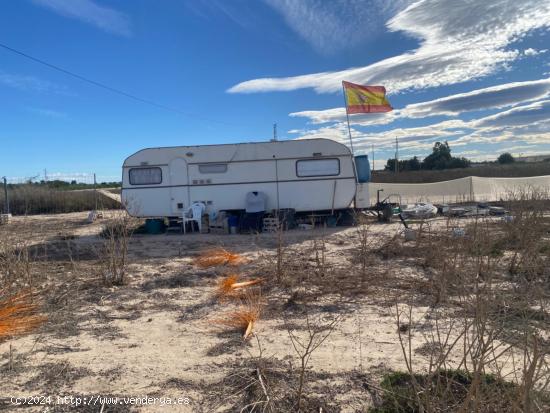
x=154, y=226
x=233, y=222
x=362, y=165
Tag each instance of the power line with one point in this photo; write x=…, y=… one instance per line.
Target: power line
x=109, y=88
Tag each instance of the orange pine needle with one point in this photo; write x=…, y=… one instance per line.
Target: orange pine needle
x=17, y=315
x=227, y=286
x=244, y=317
x=217, y=257
x=247, y=283
x=248, y=330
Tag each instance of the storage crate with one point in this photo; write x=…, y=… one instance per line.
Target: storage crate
x=271, y=225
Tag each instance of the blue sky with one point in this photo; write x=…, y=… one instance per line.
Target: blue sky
x=476, y=73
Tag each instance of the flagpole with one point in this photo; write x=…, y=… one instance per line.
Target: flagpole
x=347, y=117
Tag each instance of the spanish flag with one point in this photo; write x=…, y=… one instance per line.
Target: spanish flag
x=365, y=99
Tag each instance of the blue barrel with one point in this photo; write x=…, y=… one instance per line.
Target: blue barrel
x=233, y=221
x=154, y=226
x=362, y=165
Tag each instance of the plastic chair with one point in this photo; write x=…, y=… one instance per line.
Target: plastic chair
x=193, y=213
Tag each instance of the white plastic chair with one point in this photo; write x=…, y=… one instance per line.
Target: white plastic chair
x=193, y=213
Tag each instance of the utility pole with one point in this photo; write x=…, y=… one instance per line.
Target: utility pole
x=45, y=175
x=373, y=157
x=6, y=199
x=274, y=132
x=396, y=155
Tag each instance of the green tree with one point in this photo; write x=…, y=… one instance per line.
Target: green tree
x=505, y=158
x=439, y=158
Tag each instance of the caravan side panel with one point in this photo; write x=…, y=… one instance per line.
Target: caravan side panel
x=220, y=189
x=332, y=185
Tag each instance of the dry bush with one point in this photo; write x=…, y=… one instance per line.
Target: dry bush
x=318, y=329
x=525, y=232
x=114, y=252
x=486, y=330
x=217, y=257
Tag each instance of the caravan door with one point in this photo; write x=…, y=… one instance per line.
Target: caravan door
x=179, y=189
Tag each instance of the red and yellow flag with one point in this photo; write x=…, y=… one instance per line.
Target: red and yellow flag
x=365, y=99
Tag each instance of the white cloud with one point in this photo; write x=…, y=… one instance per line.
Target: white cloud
x=528, y=124
x=329, y=26
x=534, y=52
x=459, y=41
x=494, y=97
x=104, y=18
x=339, y=115
x=526, y=115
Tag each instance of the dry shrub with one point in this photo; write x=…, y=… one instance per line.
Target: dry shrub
x=18, y=314
x=479, y=336
x=218, y=256
x=245, y=316
x=525, y=232
x=114, y=253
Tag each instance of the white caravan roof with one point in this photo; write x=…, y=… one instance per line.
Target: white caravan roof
x=239, y=152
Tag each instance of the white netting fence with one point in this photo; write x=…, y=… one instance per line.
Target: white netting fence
x=469, y=189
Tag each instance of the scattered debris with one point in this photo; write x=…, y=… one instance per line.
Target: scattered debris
x=419, y=210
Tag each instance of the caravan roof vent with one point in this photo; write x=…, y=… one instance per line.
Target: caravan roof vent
x=317, y=154
x=190, y=154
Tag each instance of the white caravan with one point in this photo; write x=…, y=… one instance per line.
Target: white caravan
x=305, y=175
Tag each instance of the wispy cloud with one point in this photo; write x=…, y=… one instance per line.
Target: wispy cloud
x=525, y=115
x=459, y=41
x=238, y=11
x=494, y=97
x=104, y=18
x=31, y=83
x=523, y=125
x=329, y=26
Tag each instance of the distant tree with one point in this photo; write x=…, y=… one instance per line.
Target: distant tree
x=412, y=164
x=458, y=163
x=505, y=158
x=390, y=165
x=441, y=158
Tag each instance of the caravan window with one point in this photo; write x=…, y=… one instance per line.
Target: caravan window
x=318, y=167
x=213, y=168
x=145, y=176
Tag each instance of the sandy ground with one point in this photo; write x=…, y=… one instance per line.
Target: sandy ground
x=155, y=337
